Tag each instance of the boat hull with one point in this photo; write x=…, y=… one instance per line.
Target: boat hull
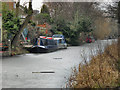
x=42, y=50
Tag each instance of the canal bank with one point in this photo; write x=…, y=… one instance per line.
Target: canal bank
x=101, y=72
x=11, y=53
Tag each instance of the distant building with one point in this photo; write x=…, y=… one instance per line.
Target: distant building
x=11, y=4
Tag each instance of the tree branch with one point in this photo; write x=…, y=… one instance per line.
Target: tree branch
x=17, y=36
x=17, y=8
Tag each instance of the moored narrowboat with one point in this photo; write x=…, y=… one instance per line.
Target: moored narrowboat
x=60, y=40
x=44, y=44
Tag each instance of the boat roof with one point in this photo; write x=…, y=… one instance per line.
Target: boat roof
x=57, y=38
x=58, y=34
x=49, y=38
x=43, y=37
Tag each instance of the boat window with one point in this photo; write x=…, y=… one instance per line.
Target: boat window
x=43, y=42
x=35, y=41
x=51, y=42
x=60, y=40
x=63, y=41
x=56, y=42
x=58, y=36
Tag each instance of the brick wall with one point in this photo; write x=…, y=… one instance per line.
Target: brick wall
x=10, y=5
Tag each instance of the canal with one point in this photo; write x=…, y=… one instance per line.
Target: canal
x=46, y=70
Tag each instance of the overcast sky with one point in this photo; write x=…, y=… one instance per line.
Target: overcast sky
x=36, y=3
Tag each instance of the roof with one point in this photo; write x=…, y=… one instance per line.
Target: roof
x=49, y=38
x=57, y=38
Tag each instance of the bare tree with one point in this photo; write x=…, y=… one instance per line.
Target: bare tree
x=17, y=8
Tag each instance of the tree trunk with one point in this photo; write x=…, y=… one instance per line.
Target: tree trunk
x=119, y=29
x=17, y=36
x=17, y=8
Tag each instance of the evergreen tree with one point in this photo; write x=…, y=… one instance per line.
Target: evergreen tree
x=45, y=9
x=44, y=16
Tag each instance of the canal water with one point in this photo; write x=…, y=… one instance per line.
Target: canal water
x=46, y=70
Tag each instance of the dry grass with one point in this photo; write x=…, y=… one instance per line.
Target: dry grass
x=100, y=72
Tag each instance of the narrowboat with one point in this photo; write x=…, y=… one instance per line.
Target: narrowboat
x=60, y=40
x=44, y=44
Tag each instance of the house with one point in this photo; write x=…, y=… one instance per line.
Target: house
x=11, y=5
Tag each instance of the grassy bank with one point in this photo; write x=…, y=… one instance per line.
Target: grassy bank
x=101, y=72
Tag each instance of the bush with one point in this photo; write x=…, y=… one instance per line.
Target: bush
x=72, y=30
x=10, y=24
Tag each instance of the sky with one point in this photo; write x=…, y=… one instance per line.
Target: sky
x=37, y=4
